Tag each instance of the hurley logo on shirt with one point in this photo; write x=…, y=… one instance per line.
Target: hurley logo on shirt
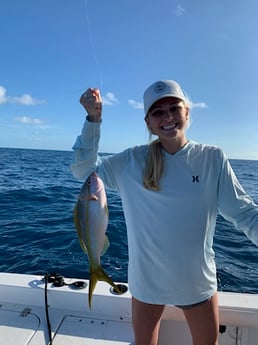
x=195, y=178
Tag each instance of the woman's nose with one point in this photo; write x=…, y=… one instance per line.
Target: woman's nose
x=169, y=114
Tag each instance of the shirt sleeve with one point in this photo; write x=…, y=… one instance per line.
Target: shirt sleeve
x=235, y=205
x=85, y=157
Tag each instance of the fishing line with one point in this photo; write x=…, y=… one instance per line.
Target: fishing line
x=93, y=50
x=94, y=55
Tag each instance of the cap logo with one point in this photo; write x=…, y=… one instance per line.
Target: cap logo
x=160, y=87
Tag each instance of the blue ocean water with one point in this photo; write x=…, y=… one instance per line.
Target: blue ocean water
x=37, y=196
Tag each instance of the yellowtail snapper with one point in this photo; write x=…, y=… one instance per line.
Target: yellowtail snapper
x=91, y=221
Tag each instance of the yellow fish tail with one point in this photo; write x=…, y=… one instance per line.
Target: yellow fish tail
x=96, y=275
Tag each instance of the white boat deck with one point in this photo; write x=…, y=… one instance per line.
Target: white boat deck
x=23, y=317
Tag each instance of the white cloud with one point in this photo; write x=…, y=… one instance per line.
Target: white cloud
x=25, y=99
x=199, y=105
x=179, y=11
x=33, y=121
x=109, y=99
x=135, y=104
x=3, y=98
x=28, y=120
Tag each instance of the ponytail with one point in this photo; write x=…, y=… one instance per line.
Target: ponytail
x=154, y=166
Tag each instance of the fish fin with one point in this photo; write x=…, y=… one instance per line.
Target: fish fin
x=83, y=246
x=106, y=210
x=75, y=219
x=105, y=245
x=93, y=281
x=78, y=228
x=99, y=274
x=75, y=215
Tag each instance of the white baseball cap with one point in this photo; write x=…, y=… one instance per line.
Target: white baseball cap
x=161, y=89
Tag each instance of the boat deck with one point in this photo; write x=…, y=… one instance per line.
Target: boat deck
x=23, y=314
x=17, y=328
x=23, y=318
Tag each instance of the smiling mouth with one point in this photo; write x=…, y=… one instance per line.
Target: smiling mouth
x=169, y=127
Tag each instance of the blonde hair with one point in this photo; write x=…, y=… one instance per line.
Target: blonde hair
x=154, y=166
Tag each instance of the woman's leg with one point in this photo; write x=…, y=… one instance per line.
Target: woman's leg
x=146, y=322
x=203, y=321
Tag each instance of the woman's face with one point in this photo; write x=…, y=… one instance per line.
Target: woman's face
x=168, y=119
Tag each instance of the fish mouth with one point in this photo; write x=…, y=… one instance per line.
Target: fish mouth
x=93, y=197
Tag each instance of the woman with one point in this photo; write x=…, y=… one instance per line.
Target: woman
x=171, y=191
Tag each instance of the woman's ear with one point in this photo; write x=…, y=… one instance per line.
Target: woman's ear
x=147, y=122
x=187, y=113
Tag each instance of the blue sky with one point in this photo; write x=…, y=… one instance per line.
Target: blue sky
x=52, y=50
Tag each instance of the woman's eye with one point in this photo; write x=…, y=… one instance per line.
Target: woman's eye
x=157, y=113
x=175, y=108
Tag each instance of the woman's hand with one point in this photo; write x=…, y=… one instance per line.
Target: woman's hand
x=91, y=101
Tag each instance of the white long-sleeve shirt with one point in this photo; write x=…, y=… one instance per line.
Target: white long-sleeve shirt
x=170, y=232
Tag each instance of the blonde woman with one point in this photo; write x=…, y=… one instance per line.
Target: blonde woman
x=171, y=191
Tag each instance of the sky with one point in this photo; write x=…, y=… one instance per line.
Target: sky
x=51, y=51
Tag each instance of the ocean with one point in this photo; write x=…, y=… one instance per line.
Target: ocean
x=37, y=197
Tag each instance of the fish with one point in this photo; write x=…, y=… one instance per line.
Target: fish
x=91, y=218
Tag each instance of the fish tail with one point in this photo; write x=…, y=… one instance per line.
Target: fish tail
x=99, y=274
